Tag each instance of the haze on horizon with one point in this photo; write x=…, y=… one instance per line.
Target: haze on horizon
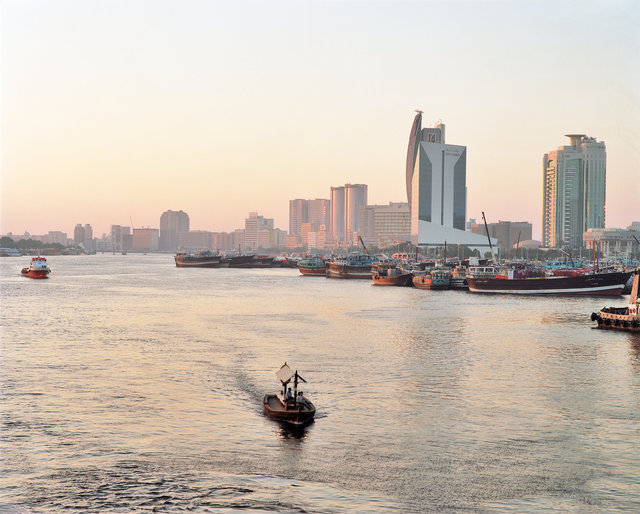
x=117, y=110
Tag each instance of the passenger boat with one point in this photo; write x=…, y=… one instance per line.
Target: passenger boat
x=434, y=279
x=289, y=406
x=390, y=274
x=490, y=279
x=37, y=269
x=204, y=259
x=354, y=265
x=313, y=266
x=622, y=318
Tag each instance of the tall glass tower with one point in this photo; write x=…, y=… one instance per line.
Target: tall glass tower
x=573, y=191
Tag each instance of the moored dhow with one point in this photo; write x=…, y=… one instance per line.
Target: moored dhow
x=354, y=265
x=434, y=279
x=313, y=266
x=490, y=279
x=390, y=274
x=204, y=259
x=622, y=318
x=37, y=269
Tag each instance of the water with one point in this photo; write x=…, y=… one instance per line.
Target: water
x=128, y=384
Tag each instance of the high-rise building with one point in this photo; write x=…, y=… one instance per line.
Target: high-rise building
x=195, y=240
x=121, y=238
x=319, y=211
x=436, y=177
x=337, y=216
x=171, y=223
x=78, y=234
x=298, y=214
x=355, y=197
x=573, y=191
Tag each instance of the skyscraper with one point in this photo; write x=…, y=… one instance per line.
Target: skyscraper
x=319, y=211
x=573, y=191
x=298, y=214
x=436, y=176
x=172, y=222
x=355, y=197
x=337, y=217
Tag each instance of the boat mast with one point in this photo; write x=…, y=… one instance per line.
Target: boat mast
x=487, y=231
x=517, y=245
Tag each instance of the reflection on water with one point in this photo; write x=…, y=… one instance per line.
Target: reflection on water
x=130, y=384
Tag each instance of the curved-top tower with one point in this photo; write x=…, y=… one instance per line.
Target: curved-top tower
x=412, y=151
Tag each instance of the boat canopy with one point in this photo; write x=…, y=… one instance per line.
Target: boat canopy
x=284, y=373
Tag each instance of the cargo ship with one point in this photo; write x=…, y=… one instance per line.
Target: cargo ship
x=490, y=279
x=203, y=259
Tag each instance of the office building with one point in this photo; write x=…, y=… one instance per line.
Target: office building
x=574, y=178
x=383, y=225
x=252, y=226
x=121, y=238
x=611, y=242
x=507, y=233
x=171, y=223
x=436, y=179
x=146, y=239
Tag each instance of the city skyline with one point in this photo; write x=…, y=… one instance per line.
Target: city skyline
x=119, y=123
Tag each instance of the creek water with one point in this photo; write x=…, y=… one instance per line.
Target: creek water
x=129, y=384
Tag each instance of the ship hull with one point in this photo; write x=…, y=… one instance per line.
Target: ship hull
x=422, y=282
x=602, y=284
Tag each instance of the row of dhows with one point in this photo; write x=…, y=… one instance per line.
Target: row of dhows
x=514, y=279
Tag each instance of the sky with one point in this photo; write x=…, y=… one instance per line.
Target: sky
x=115, y=111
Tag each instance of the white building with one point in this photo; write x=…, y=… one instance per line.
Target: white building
x=437, y=189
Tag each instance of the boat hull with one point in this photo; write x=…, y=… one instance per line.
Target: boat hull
x=35, y=273
x=313, y=271
x=601, y=284
x=341, y=271
x=295, y=415
x=403, y=279
x=208, y=263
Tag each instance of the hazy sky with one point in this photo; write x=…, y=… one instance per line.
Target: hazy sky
x=118, y=110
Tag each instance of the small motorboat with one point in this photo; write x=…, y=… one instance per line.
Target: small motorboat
x=37, y=269
x=289, y=406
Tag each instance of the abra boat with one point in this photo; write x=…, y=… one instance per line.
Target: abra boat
x=354, y=265
x=313, y=266
x=389, y=274
x=204, y=259
x=289, y=406
x=37, y=269
x=489, y=279
x=622, y=318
